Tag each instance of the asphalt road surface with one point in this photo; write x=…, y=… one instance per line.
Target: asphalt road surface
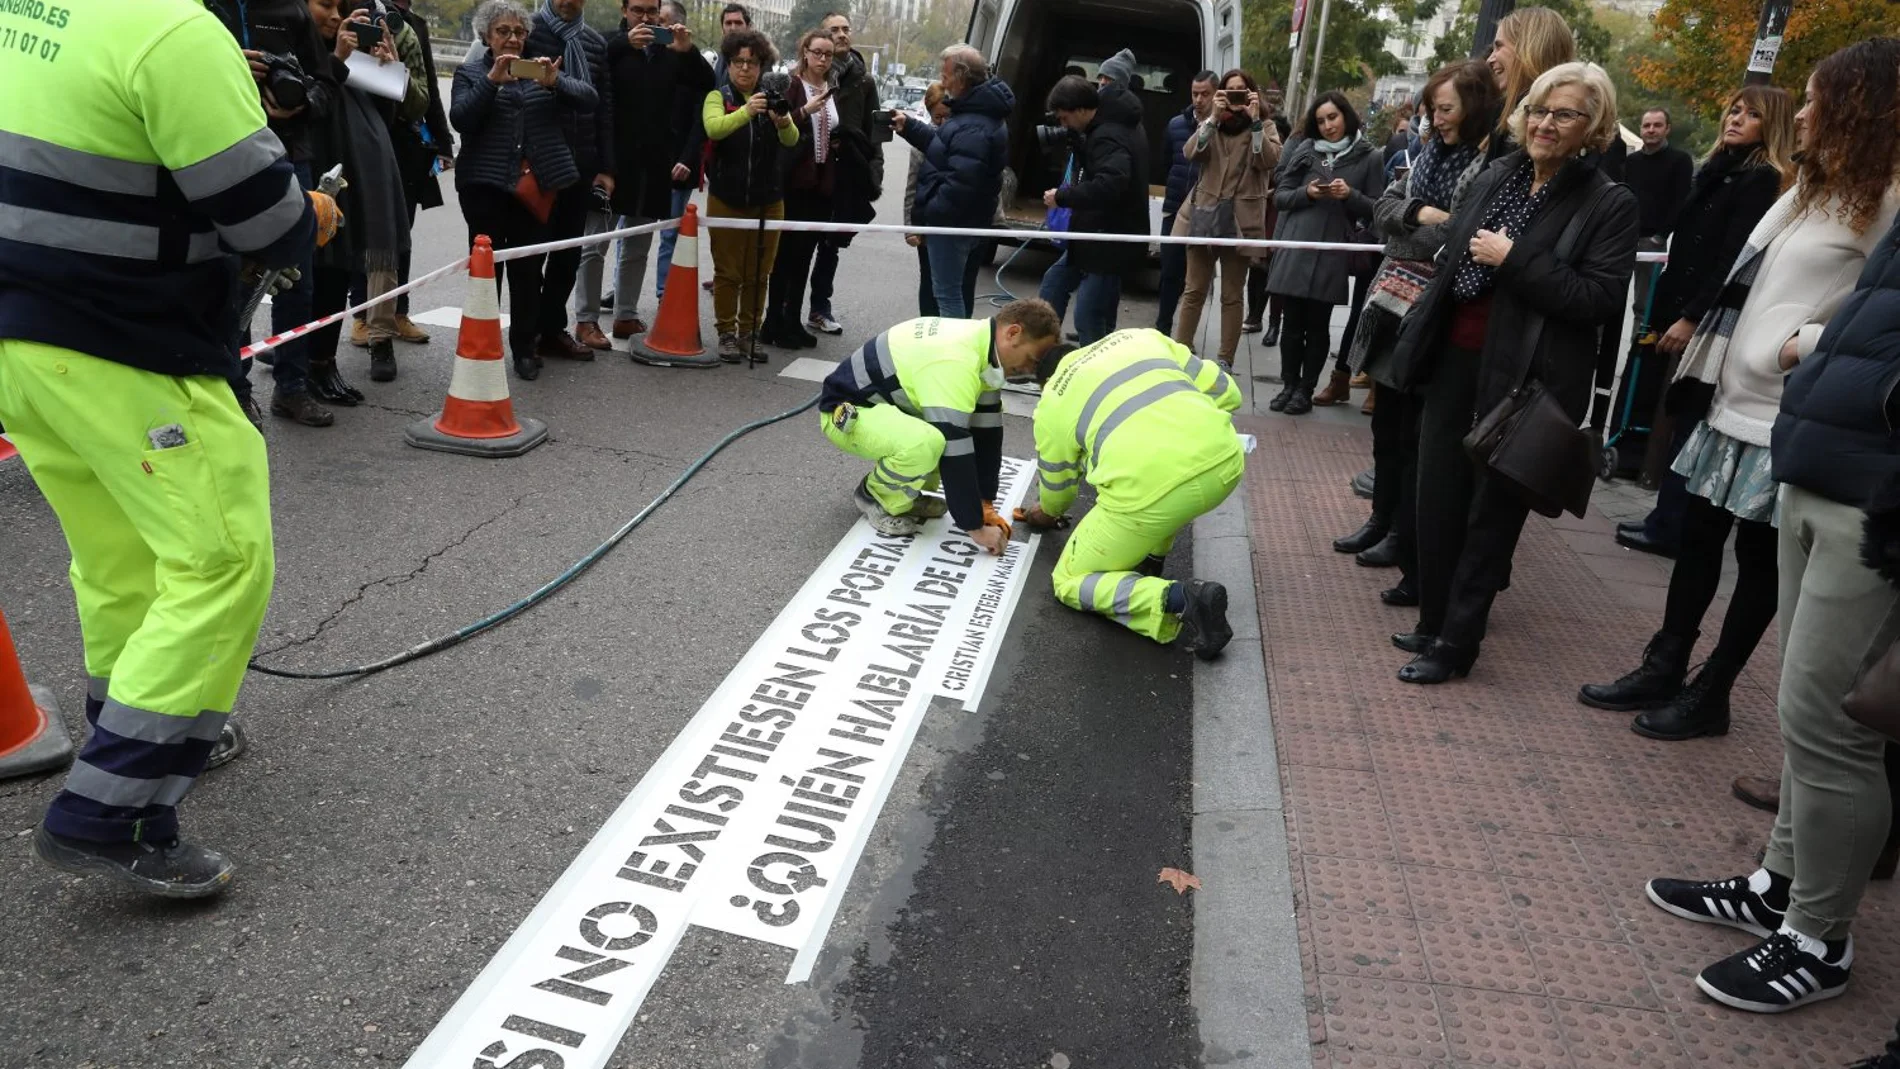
x=394, y=831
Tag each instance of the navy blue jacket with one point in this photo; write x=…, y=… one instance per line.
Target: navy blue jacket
x=502, y=124
x=1181, y=172
x=1835, y=435
x=961, y=175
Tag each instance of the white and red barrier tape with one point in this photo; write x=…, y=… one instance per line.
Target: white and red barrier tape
x=731, y=223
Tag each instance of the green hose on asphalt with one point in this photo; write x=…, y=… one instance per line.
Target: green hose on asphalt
x=552, y=586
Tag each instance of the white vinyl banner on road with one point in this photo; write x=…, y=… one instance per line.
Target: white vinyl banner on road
x=753, y=820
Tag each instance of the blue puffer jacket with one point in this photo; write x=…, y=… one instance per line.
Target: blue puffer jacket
x=500, y=124
x=1835, y=435
x=961, y=175
x=1181, y=171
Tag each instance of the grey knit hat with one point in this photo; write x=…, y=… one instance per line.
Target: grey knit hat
x=1119, y=68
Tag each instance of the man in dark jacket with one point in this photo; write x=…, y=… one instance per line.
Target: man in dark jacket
x=268, y=31
x=1181, y=177
x=559, y=31
x=1108, y=196
x=650, y=142
x=961, y=175
x=860, y=171
x=732, y=18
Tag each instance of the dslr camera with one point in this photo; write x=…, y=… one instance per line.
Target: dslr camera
x=285, y=79
x=1052, y=135
x=774, y=85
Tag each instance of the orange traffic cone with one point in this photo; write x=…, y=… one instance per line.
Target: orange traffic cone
x=674, y=339
x=32, y=736
x=478, y=419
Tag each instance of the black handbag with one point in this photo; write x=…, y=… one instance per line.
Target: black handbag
x=1531, y=443
x=1527, y=439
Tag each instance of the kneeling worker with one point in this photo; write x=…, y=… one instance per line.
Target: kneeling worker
x=924, y=402
x=1148, y=423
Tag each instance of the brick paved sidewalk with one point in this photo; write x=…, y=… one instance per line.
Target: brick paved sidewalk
x=1468, y=859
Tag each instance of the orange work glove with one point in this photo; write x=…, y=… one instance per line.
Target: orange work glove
x=329, y=216
x=993, y=518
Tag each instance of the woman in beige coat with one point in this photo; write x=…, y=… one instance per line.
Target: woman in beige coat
x=1235, y=149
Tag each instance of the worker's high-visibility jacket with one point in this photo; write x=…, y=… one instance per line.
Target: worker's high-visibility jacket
x=1137, y=414
x=944, y=372
x=134, y=161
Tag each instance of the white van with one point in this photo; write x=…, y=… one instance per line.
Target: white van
x=1032, y=43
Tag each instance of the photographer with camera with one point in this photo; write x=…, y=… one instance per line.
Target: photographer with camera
x=810, y=186
x=1235, y=149
x=961, y=176
x=749, y=123
x=292, y=73
x=1108, y=196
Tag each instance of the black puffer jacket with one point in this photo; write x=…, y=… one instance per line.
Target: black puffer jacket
x=1110, y=191
x=588, y=126
x=500, y=124
x=1836, y=434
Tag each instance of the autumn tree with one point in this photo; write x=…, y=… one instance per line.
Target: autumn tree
x=1356, y=34
x=1709, y=42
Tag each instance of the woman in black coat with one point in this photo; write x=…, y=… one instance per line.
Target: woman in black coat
x=1468, y=343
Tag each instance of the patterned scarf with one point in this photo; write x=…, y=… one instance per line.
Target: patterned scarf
x=1709, y=347
x=1435, y=174
x=572, y=33
x=1511, y=210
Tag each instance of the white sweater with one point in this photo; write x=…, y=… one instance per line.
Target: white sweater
x=1808, y=268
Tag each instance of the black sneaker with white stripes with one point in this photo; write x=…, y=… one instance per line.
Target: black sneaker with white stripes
x=1726, y=902
x=1778, y=975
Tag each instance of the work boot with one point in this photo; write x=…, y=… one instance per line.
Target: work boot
x=1204, y=627
x=928, y=507
x=1338, y=390
x=230, y=746
x=1370, y=534
x=302, y=408
x=1654, y=682
x=1701, y=708
x=589, y=334
x=170, y=869
x=359, y=332
x=729, y=349
x=883, y=522
x=327, y=385
x=406, y=330
x=382, y=360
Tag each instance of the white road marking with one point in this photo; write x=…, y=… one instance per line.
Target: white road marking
x=812, y=369
x=753, y=819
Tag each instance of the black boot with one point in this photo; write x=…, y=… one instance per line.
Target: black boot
x=1204, y=627
x=1278, y=404
x=1701, y=708
x=1402, y=596
x=1440, y=663
x=327, y=385
x=1300, y=403
x=1385, y=554
x=1370, y=534
x=382, y=360
x=1414, y=642
x=1652, y=684
x=1272, y=338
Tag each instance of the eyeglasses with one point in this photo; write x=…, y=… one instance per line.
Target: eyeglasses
x=1564, y=116
x=508, y=31
x=742, y=61
x=820, y=52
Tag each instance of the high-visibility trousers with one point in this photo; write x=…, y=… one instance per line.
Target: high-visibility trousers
x=905, y=450
x=1096, y=572
x=172, y=567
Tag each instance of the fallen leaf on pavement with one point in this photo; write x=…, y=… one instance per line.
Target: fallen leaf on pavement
x=1179, y=880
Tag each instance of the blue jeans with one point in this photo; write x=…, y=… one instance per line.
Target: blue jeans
x=1097, y=305
x=949, y=258
x=667, y=237
x=1058, y=285
x=1173, y=278
x=290, y=365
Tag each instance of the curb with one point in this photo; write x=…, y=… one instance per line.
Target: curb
x=1247, y=985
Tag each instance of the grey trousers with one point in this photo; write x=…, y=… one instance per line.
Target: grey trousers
x=630, y=269
x=1837, y=616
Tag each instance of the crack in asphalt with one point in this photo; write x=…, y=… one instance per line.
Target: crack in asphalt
x=394, y=580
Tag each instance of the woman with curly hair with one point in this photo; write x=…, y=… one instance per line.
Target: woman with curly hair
x=1833, y=450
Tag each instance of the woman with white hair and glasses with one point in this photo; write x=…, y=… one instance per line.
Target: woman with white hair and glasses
x=1504, y=310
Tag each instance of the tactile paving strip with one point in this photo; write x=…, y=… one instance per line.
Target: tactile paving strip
x=1469, y=859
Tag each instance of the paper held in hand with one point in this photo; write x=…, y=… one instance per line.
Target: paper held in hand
x=372, y=75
